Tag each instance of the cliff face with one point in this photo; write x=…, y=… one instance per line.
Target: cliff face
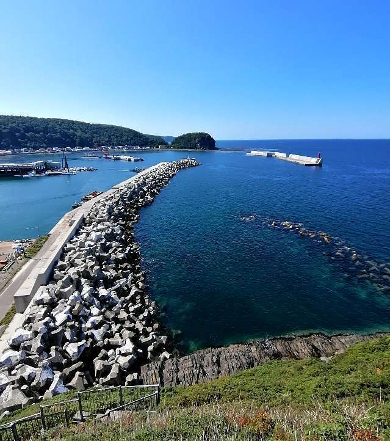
x=211, y=363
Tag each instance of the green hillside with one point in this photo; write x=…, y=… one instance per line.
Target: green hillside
x=194, y=141
x=30, y=132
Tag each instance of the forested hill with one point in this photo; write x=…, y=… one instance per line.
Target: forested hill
x=196, y=141
x=30, y=132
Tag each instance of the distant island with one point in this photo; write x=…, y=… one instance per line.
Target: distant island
x=17, y=132
x=194, y=141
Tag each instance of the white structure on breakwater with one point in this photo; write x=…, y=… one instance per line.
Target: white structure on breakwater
x=297, y=159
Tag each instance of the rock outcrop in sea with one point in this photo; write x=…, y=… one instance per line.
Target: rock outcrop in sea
x=94, y=323
x=352, y=262
x=211, y=363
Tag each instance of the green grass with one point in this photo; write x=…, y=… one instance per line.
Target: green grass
x=33, y=249
x=7, y=319
x=344, y=399
x=362, y=373
x=239, y=421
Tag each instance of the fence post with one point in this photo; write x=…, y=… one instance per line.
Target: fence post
x=120, y=396
x=42, y=418
x=80, y=406
x=66, y=417
x=15, y=435
x=158, y=396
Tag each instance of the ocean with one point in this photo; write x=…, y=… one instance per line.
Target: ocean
x=216, y=268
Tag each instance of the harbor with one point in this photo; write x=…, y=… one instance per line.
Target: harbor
x=296, y=159
x=39, y=169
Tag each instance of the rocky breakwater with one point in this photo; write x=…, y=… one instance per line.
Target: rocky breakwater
x=354, y=264
x=211, y=363
x=93, y=324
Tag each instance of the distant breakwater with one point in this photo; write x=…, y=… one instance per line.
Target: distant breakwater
x=94, y=323
x=353, y=263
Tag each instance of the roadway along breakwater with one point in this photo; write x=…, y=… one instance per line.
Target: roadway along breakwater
x=93, y=323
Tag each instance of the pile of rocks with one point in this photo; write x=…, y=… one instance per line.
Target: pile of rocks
x=353, y=263
x=93, y=324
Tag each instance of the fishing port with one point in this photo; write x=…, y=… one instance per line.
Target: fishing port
x=40, y=169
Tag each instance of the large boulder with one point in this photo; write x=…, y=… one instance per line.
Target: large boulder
x=74, y=350
x=13, y=398
x=57, y=387
x=11, y=358
x=21, y=335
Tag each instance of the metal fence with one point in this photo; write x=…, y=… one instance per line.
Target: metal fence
x=91, y=403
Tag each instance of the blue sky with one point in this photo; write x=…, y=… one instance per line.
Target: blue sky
x=236, y=69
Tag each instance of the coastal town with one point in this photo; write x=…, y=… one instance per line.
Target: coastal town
x=59, y=150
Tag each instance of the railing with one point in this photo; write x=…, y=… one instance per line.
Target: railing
x=92, y=403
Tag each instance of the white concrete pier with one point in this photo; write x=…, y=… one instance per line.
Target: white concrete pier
x=296, y=159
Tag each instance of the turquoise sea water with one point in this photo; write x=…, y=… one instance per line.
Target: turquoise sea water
x=221, y=279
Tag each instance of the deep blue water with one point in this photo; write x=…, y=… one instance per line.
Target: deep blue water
x=221, y=279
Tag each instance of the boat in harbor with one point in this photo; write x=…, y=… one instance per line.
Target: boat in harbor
x=60, y=172
x=34, y=174
x=91, y=195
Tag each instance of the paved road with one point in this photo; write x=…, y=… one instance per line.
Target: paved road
x=7, y=295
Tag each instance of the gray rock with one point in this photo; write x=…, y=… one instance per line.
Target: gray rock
x=75, y=349
x=69, y=372
x=113, y=378
x=132, y=379
x=21, y=335
x=5, y=380
x=126, y=361
x=77, y=382
x=55, y=358
x=57, y=387
x=63, y=317
x=11, y=358
x=13, y=398
x=27, y=373
x=44, y=377
x=102, y=367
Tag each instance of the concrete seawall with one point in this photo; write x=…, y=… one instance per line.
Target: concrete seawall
x=64, y=230
x=89, y=319
x=60, y=235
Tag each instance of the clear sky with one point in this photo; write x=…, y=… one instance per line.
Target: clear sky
x=238, y=69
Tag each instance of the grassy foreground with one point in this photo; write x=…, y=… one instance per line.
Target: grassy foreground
x=345, y=398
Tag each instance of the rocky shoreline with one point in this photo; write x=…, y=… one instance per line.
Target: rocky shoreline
x=94, y=323
x=211, y=363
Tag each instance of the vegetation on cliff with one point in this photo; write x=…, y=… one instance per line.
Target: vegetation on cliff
x=195, y=141
x=30, y=132
x=341, y=399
